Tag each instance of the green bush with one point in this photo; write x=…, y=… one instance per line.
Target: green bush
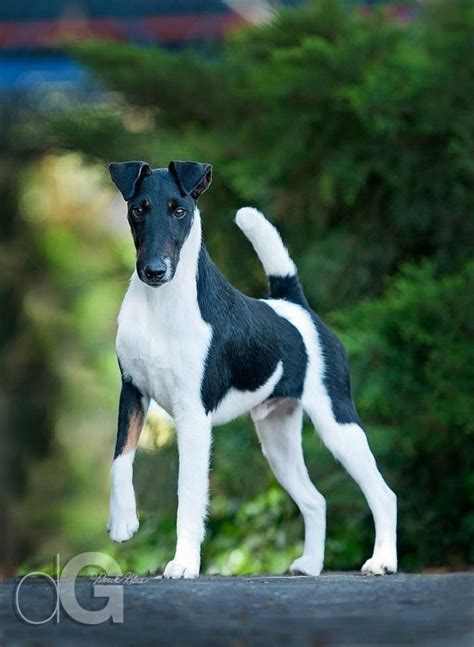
x=353, y=132
x=413, y=355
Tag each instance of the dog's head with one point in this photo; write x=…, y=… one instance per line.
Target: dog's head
x=161, y=204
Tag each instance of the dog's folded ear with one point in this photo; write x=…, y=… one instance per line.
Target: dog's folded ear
x=193, y=178
x=127, y=176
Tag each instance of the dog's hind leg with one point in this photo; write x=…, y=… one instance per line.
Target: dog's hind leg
x=280, y=436
x=348, y=443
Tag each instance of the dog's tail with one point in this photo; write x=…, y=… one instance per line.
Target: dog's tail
x=276, y=261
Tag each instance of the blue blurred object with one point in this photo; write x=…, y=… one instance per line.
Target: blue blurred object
x=31, y=31
x=21, y=72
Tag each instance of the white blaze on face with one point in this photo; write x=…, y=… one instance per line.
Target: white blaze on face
x=169, y=270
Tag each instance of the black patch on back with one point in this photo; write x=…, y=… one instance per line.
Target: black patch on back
x=249, y=339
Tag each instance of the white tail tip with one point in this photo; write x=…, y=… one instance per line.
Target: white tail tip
x=249, y=219
x=266, y=241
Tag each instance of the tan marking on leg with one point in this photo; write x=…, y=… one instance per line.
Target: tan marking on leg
x=135, y=426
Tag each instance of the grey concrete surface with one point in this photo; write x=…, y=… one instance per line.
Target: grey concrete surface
x=334, y=609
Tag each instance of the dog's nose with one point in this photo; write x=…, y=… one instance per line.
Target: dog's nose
x=155, y=271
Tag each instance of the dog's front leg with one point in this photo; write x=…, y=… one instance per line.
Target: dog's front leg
x=123, y=521
x=193, y=430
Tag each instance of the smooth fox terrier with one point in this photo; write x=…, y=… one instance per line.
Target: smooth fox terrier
x=207, y=353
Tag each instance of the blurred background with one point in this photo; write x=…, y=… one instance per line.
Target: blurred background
x=351, y=125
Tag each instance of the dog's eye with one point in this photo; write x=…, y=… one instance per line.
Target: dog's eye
x=180, y=212
x=138, y=212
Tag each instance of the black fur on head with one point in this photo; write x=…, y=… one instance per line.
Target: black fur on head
x=161, y=204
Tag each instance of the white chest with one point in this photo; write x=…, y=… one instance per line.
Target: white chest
x=162, y=342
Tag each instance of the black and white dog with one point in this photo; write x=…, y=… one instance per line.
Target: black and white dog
x=207, y=353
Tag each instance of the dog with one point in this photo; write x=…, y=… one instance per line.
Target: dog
x=207, y=353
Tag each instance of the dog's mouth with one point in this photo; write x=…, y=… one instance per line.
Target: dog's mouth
x=155, y=283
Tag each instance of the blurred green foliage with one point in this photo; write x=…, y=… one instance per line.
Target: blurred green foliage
x=355, y=134
x=413, y=358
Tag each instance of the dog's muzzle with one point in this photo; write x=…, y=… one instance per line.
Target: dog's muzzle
x=156, y=273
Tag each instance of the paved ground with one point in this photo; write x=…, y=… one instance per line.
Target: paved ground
x=335, y=609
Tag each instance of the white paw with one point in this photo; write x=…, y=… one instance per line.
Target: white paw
x=175, y=570
x=380, y=564
x=122, y=523
x=306, y=565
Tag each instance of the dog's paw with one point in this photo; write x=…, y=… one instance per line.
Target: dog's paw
x=306, y=565
x=176, y=570
x=122, y=524
x=381, y=564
